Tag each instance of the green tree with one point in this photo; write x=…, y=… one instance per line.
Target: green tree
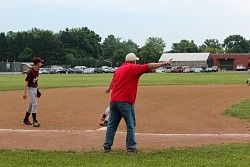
x=70, y=59
x=211, y=46
x=236, y=44
x=26, y=55
x=109, y=46
x=114, y=50
x=82, y=39
x=184, y=46
x=3, y=47
x=152, y=49
x=47, y=45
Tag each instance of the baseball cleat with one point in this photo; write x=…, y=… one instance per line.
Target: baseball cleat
x=27, y=122
x=36, y=124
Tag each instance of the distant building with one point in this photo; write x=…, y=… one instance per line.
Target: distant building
x=14, y=67
x=229, y=61
x=225, y=61
x=187, y=59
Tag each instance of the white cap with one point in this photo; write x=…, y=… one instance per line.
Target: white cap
x=131, y=57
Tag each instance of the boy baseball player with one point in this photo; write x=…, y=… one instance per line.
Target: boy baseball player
x=30, y=90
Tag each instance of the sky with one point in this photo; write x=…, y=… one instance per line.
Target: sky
x=171, y=20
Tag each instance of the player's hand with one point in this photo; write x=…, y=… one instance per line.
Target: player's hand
x=166, y=63
x=107, y=91
x=25, y=96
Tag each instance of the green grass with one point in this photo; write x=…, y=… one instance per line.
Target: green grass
x=214, y=156
x=241, y=110
x=16, y=82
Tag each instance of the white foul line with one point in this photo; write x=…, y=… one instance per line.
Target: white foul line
x=141, y=134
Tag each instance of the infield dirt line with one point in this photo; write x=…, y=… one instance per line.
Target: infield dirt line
x=140, y=134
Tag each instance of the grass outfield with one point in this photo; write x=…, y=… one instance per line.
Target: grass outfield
x=241, y=110
x=16, y=82
x=214, y=156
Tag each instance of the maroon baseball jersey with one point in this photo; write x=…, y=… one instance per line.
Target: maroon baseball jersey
x=248, y=65
x=32, y=78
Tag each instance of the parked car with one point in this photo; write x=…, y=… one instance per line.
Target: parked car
x=89, y=71
x=78, y=71
x=197, y=70
x=240, y=67
x=208, y=69
x=215, y=69
x=188, y=70
x=80, y=67
x=112, y=70
x=160, y=70
x=106, y=69
x=43, y=71
x=178, y=69
x=169, y=69
x=61, y=71
x=98, y=70
x=53, y=71
x=103, y=69
x=70, y=71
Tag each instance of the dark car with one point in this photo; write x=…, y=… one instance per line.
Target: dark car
x=99, y=70
x=62, y=71
x=78, y=71
x=70, y=71
x=103, y=69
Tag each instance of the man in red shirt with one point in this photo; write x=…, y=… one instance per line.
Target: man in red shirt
x=30, y=90
x=124, y=89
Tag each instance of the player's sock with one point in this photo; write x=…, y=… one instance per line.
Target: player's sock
x=34, y=117
x=27, y=116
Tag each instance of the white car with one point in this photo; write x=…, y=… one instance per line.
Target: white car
x=89, y=71
x=240, y=67
x=197, y=70
x=160, y=70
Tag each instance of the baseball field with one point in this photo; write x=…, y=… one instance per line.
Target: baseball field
x=181, y=120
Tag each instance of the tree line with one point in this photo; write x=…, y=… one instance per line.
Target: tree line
x=82, y=46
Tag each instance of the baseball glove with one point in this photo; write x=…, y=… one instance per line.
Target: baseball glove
x=39, y=94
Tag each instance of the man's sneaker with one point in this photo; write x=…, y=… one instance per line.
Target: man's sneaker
x=103, y=123
x=133, y=150
x=36, y=124
x=247, y=82
x=27, y=122
x=107, y=150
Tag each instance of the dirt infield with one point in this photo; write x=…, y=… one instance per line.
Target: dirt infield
x=167, y=116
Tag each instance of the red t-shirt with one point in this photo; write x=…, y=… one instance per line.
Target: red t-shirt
x=32, y=78
x=125, y=82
